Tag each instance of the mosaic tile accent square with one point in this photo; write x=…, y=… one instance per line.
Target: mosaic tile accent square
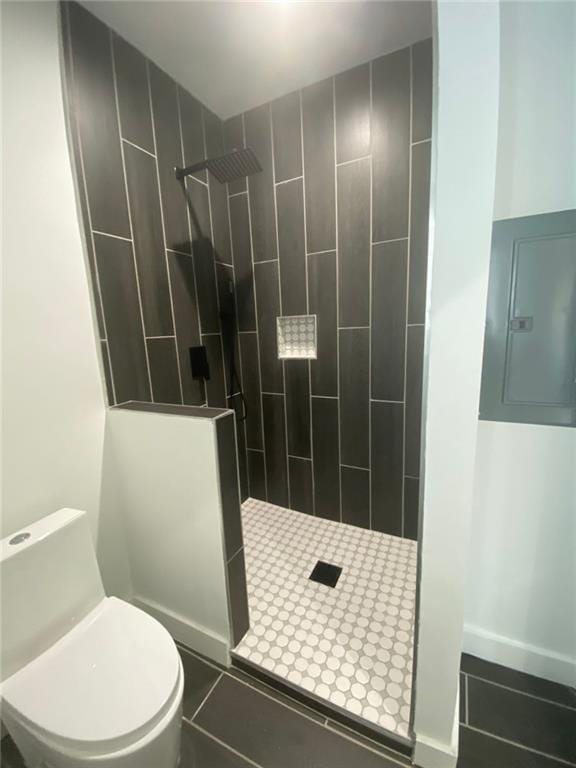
x=296, y=337
x=350, y=645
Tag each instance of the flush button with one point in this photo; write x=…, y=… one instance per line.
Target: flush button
x=19, y=538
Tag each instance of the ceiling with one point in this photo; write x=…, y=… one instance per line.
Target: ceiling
x=237, y=55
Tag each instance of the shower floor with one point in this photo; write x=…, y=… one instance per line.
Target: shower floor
x=350, y=645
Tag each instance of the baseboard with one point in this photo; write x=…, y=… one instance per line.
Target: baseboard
x=188, y=633
x=520, y=656
x=429, y=753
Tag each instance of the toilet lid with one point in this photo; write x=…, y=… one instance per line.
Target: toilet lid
x=108, y=678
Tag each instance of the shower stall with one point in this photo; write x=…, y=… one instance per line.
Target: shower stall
x=274, y=262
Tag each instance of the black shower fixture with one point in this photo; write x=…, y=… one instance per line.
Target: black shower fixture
x=234, y=165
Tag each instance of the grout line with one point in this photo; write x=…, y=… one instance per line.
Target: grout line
x=351, y=466
x=411, y=477
x=247, y=331
x=125, y=177
x=137, y=146
x=256, y=450
x=180, y=253
x=91, y=257
x=166, y=250
x=205, y=699
x=354, y=160
x=244, y=191
x=319, y=253
x=151, y=338
x=247, y=192
x=519, y=745
x=398, y=402
x=212, y=333
x=282, y=362
x=394, y=240
x=415, y=325
x=222, y=743
x=276, y=394
x=109, y=234
x=422, y=141
x=287, y=181
x=523, y=693
x=300, y=458
x=195, y=178
x=240, y=548
x=265, y=261
x=326, y=397
x=336, y=225
x=353, y=327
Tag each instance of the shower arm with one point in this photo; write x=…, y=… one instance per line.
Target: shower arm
x=181, y=173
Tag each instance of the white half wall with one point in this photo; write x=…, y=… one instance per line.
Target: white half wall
x=462, y=195
x=521, y=596
x=161, y=478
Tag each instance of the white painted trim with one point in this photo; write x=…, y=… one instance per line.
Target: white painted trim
x=194, y=636
x=524, y=657
x=434, y=754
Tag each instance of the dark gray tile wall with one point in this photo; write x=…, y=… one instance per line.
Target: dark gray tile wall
x=335, y=226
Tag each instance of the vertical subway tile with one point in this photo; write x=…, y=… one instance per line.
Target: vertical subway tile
x=234, y=139
x=353, y=113
x=235, y=403
x=268, y=308
x=275, y=445
x=238, y=597
x=318, y=124
x=422, y=90
x=198, y=208
x=186, y=323
x=169, y=155
x=228, y=326
x=214, y=131
x=192, y=131
x=148, y=241
x=117, y=276
x=107, y=372
x=411, y=493
x=242, y=253
x=354, y=397
x=389, y=275
x=419, y=232
x=229, y=491
x=292, y=248
x=256, y=476
x=387, y=461
x=414, y=363
x=326, y=457
x=133, y=94
x=355, y=496
x=286, y=125
x=296, y=373
x=164, y=370
x=215, y=385
x=301, y=489
x=323, y=304
x=96, y=113
x=251, y=383
x=206, y=286
x=261, y=185
x=354, y=243
x=390, y=145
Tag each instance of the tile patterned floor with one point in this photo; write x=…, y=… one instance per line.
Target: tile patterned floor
x=350, y=645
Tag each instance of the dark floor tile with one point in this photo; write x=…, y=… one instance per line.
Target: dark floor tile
x=163, y=361
x=524, y=720
x=318, y=124
x=479, y=750
x=519, y=681
x=261, y=185
x=411, y=507
x=133, y=94
x=284, y=738
x=287, y=136
x=422, y=90
x=199, y=677
x=198, y=750
x=355, y=496
x=326, y=457
x=388, y=750
x=238, y=597
x=353, y=113
x=241, y=672
x=301, y=490
x=275, y=445
x=256, y=475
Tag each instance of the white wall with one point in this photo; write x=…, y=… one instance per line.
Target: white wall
x=462, y=195
x=161, y=477
x=521, y=598
x=52, y=391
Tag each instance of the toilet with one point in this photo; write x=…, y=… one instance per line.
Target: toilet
x=86, y=680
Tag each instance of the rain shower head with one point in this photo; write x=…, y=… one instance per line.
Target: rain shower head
x=234, y=165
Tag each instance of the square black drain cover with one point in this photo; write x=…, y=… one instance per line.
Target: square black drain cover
x=325, y=573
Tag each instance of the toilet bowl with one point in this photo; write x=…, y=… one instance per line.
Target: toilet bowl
x=87, y=680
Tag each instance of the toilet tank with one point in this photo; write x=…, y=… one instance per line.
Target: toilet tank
x=49, y=580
